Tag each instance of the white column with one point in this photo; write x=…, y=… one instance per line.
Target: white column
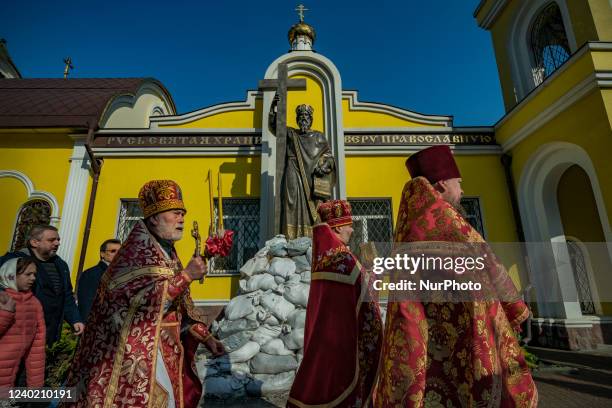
x=74, y=202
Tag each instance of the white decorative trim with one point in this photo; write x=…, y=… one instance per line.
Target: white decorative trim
x=583, y=322
x=572, y=96
x=493, y=13
x=356, y=105
x=325, y=72
x=194, y=151
x=248, y=104
x=406, y=150
x=74, y=203
x=211, y=302
x=519, y=53
x=406, y=129
x=165, y=130
x=539, y=209
x=128, y=100
x=32, y=194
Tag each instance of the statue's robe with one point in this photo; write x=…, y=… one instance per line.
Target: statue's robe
x=301, y=189
x=460, y=354
x=132, y=341
x=343, y=331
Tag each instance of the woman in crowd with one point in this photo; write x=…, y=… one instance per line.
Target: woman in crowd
x=22, y=325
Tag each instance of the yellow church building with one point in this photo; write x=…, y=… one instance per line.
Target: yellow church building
x=75, y=152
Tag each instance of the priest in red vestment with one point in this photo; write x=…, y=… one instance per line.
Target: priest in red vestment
x=143, y=330
x=451, y=354
x=343, y=331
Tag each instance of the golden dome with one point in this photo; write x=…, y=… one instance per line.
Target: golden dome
x=301, y=28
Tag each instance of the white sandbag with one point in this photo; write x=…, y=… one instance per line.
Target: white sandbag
x=263, y=281
x=257, y=314
x=228, y=367
x=236, y=340
x=296, y=277
x=264, y=363
x=244, y=353
x=276, y=347
x=279, y=280
x=265, y=333
x=278, y=250
x=281, y=267
x=297, y=319
x=305, y=276
x=279, y=239
x=277, y=305
x=204, y=370
x=298, y=246
x=301, y=263
x=239, y=307
x=254, y=266
x=263, y=252
x=229, y=327
x=271, y=321
x=297, y=293
x=309, y=255
x=267, y=384
x=294, y=340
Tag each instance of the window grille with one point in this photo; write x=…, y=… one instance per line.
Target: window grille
x=129, y=214
x=473, y=214
x=242, y=216
x=548, y=41
x=581, y=277
x=372, y=222
x=33, y=212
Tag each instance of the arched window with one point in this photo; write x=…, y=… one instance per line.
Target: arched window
x=548, y=42
x=34, y=212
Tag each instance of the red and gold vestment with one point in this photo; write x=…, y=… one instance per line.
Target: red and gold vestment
x=143, y=312
x=462, y=354
x=343, y=332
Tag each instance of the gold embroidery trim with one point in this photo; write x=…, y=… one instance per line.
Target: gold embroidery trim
x=119, y=355
x=156, y=341
x=336, y=277
x=137, y=273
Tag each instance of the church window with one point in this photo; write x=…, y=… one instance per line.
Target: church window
x=471, y=205
x=240, y=215
x=548, y=41
x=33, y=212
x=581, y=277
x=372, y=221
x=129, y=214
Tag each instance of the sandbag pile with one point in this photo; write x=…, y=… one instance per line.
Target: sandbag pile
x=263, y=327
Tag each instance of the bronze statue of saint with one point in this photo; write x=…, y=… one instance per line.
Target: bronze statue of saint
x=309, y=174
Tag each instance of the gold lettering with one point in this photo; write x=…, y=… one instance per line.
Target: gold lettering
x=487, y=139
x=153, y=140
x=446, y=139
x=258, y=140
x=131, y=140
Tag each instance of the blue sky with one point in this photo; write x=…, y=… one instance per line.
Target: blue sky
x=426, y=56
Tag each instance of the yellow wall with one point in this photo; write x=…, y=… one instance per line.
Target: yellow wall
x=602, y=17
x=239, y=119
x=313, y=96
x=593, y=135
x=44, y=159
x=13, y=194
x=362, y=119
x=582, y=21
x=123, y=178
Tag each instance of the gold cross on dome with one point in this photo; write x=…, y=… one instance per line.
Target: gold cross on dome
x=68, y=67
x=301, y=9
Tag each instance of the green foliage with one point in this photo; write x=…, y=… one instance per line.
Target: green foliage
x=59, y=357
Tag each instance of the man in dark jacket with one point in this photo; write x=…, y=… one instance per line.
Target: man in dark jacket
x=53, y=287
x=90, y=279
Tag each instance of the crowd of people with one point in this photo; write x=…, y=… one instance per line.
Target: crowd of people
x=139, y=329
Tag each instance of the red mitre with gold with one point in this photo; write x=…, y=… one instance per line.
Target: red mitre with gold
x=434, y=163
x=335, y=213
x=160, y=195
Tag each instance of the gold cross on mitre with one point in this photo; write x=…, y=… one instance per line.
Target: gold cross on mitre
x=301, y=9
x=68, y=67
